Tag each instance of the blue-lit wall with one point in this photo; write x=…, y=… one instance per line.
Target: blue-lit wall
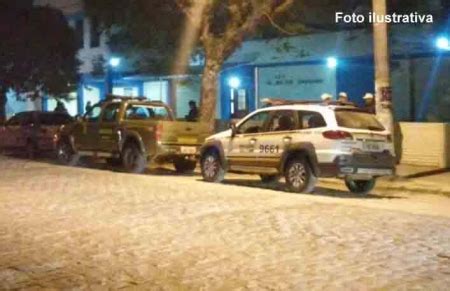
x=247, y=81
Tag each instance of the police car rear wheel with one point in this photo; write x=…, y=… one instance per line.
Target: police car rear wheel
x=212, y=169
x=299, y=176
x=361, y=187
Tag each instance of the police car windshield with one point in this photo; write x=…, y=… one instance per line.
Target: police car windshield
x=358, y=120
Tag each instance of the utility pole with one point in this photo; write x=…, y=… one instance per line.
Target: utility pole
x=383, y=89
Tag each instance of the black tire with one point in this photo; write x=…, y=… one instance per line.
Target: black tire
x=31, y=150
x=184, y=166
x=212, y=168
x=299, y=176
x=361, y=187
x=133, y=159
x=66, y=154
x=268, y=179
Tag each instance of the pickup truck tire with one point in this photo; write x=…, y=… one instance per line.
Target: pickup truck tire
x=212, y=168
x=66, y=155
x=133, y=159
x=299, y=176
x=184, y=166
x=268, y=179
x=362, y=187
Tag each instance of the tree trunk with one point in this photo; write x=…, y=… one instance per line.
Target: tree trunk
x=209, y=92
x=2, y=106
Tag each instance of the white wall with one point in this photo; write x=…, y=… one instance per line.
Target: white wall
x=14, y=106
x=187, y=90
x=126, y=91
x=91, y=94
x=71, y=105
x=157, y=90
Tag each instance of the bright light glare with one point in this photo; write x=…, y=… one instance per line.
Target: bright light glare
x=443, y=43
x=114, y=62
x=332, y=62
x=234, y=82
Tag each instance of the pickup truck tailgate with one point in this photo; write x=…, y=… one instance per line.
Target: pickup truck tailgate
x=182, y=132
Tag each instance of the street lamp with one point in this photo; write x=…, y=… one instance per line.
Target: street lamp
x=443, y=43
x=113, y=63
x=332, y=62
x=234, y=82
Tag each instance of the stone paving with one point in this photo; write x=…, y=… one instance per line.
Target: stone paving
x=74, y=228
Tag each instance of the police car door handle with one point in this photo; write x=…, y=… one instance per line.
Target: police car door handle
x=253, y=141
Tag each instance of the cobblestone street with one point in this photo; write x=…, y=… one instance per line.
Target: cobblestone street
x=76, y=228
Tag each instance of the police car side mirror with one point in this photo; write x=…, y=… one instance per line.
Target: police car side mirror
x=233, y=129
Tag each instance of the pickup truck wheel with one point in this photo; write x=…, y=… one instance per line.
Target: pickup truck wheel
x=66, y=155
x=212, y=169
x=361, y=187
x=267, y=179
x=184, y=166
x=299, y=176
x=133, y=159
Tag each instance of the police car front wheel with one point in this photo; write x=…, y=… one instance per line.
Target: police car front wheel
x=212, y=169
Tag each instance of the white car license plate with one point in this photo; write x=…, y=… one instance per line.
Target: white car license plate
x=381, y=172
x=189, y=150
x=372, y=147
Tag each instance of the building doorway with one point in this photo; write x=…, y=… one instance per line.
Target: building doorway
x=239, y=103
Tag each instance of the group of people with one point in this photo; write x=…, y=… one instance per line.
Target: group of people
x=369, y=100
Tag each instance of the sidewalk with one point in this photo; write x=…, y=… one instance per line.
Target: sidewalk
x=422, y=179
x=415, y=179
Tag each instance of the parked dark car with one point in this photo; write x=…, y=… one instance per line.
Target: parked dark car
x=32, y=132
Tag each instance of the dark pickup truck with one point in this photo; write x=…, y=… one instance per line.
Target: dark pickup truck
x=132, y=132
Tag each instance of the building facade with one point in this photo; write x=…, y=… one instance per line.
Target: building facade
x=300, y=67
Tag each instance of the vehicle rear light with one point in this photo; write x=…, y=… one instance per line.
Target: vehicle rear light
x=158, y=132
x=337, y=134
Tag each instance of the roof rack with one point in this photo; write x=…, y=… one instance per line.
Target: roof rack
x=278, y=102
x=111, y=97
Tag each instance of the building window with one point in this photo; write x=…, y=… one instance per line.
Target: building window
x=79, y=33
x=95, y=33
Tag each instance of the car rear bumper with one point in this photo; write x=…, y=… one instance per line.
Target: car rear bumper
x=367, y=164
x=168, y=153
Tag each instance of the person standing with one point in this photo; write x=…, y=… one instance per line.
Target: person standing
x=369, y=103
x=343, y=97
x=326, y=98
x=60, y=107
x=193, y=111
x=88, y=106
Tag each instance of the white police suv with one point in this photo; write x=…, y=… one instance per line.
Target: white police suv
x=303, y=141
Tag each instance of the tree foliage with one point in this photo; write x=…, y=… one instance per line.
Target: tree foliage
x=37, y=52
